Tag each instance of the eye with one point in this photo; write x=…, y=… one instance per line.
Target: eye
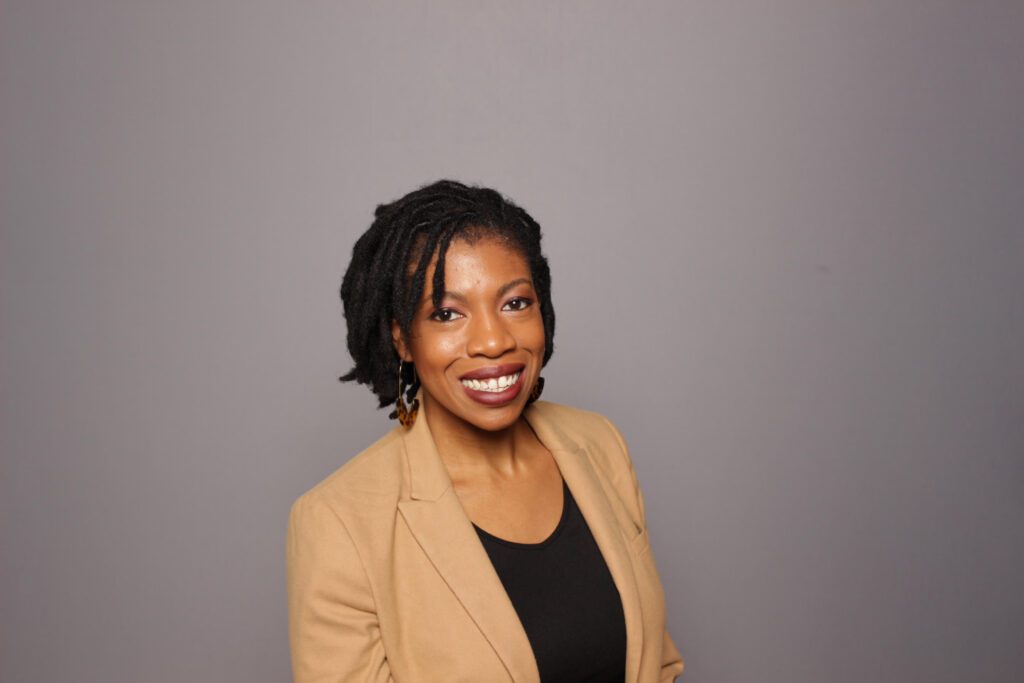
x=443, y=315
x=519, y=303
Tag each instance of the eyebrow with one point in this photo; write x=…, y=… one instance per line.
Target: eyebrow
x=501, y=291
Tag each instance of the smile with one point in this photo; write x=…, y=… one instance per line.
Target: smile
x=494, y=384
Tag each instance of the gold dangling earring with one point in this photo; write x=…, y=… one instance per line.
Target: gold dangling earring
x=405, y=415
x=535, y=391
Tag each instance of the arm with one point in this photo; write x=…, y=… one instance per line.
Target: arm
x=671, y=660
x=332, y=619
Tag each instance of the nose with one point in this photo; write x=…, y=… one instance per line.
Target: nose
x=489, y=336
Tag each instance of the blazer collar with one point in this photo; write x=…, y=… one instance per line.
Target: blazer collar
x=444, y=531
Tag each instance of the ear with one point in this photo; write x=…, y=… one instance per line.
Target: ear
x=400, y=347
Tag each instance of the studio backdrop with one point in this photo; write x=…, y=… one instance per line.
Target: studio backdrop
x=787, y=255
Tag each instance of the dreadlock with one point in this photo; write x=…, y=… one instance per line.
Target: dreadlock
x=386, y=276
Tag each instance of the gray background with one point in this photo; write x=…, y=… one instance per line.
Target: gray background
x=788, y=260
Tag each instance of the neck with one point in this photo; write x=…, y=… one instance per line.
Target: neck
x=470, y=451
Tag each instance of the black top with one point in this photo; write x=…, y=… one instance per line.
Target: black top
x=566, y=600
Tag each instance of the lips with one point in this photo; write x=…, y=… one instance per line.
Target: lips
x=488, y=391
x=494, y=371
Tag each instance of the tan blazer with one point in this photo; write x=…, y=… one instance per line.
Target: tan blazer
x=388, y=580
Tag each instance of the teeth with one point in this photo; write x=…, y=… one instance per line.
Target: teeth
x=493, y=384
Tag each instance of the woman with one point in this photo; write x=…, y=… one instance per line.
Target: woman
x=490, y=536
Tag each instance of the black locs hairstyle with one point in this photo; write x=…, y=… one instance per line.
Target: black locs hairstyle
x=378, y=288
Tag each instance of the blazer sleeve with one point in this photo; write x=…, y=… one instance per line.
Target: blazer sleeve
x=332, y=620
x=671, y=660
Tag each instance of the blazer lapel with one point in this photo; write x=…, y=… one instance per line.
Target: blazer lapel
x=444, y=531
x=579, y=473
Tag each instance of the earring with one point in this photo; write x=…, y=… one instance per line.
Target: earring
x=535, y=391
x=406, y=415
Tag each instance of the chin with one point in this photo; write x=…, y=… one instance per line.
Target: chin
x=491, y=419
x=498, y=423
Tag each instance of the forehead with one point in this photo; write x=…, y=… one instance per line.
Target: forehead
x=477, y=266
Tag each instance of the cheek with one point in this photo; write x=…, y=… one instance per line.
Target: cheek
x=434, y=352
x=531, y=335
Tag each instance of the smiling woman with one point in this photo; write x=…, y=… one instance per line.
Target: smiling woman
x=491, y=536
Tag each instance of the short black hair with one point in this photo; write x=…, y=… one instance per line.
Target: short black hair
x=378, y=287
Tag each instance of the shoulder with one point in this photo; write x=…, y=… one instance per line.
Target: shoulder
x=365, y=487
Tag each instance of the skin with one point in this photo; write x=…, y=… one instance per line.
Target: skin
x=507, y=481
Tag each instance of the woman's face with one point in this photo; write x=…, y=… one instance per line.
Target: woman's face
x=488, y=327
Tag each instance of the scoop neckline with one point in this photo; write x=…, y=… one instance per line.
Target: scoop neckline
x=540, y=544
